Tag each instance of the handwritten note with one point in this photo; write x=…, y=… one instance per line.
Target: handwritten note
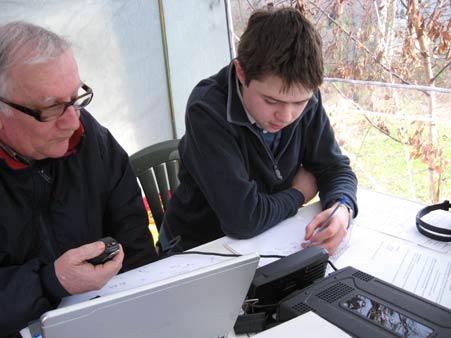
x=283, y=239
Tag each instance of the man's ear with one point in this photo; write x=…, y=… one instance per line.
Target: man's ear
x=239, y=72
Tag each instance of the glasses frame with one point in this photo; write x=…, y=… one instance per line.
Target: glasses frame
x=36, y=113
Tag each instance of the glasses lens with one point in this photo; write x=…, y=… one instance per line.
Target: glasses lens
x=52, y=113
x=82, y=101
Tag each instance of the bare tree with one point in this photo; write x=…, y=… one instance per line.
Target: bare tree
x=394, y=42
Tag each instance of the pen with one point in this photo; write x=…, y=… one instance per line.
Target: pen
x=329, y=218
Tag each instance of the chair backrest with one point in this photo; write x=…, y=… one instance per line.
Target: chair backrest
x=156, y=167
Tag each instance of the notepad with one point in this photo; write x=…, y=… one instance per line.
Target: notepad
x=284, y=239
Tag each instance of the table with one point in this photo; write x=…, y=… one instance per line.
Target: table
x=384, y=242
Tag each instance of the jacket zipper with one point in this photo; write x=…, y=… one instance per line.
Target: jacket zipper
x=270, y=155
x=43, y=197
x=275, y=161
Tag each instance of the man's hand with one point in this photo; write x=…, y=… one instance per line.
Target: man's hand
x=332, y=235
x=305, y=182
x=78, y=276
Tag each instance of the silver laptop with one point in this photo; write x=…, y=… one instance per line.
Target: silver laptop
x=199, y=304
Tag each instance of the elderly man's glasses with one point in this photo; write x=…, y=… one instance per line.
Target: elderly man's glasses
x=54, y=111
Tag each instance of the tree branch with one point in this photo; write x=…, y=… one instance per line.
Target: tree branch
x=386, y=133
x=441, y=71
x=375, y=59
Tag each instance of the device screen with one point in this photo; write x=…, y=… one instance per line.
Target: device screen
x=386, y=317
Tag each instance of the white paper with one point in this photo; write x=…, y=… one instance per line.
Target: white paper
x=283, y=239
x=396, y=216
x=419, y=270
x=162, y=269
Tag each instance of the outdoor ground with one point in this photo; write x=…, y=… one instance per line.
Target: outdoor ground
x=380, y=162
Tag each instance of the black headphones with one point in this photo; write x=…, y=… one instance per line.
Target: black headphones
x=434, y=232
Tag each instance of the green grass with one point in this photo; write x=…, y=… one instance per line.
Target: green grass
x=380, y=162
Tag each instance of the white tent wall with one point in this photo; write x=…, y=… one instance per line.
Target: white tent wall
x=141, y=78
x=198, y=46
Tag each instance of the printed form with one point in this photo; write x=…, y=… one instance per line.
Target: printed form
x=397, y=217
x=407, y=265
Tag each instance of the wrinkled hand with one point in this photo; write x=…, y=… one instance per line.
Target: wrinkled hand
x=78, y=276
x=331, y=236
x=305, y=182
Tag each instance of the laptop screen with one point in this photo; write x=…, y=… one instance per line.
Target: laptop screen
x=203, y=303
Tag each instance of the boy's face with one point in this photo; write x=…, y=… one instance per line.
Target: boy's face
x=269, y=105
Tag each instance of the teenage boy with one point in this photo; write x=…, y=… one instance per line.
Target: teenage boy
x=258, y=143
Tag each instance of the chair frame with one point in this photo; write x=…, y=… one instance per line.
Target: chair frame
x=156, y=167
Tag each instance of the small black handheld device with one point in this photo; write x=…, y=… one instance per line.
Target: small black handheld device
x=111, y=250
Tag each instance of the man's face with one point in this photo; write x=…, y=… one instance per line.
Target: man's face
x=38, y=86
x=272, y=107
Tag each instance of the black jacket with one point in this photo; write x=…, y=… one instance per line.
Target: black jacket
x=231, y=183
x=58, y=204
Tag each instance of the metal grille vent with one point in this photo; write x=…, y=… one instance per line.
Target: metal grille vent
x=363, y=276
x=301, y=308
x=314, y=272
x=335, y=292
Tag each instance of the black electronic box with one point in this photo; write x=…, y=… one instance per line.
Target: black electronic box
x=276, y=280
x=367, y=307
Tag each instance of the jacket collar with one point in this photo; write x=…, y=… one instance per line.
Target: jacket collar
x=14, y=160
x=235, y=109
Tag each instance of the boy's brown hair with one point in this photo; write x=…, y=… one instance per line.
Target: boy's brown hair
x=282, y=42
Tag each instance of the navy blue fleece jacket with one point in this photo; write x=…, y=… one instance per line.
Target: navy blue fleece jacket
x=55, y=205
x=231, y=183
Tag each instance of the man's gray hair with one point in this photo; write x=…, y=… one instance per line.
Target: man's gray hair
x=25, y=43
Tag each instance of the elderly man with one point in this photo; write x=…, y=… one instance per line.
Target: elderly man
x=65, y=182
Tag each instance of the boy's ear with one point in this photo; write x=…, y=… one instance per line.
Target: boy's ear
x=239, y=72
